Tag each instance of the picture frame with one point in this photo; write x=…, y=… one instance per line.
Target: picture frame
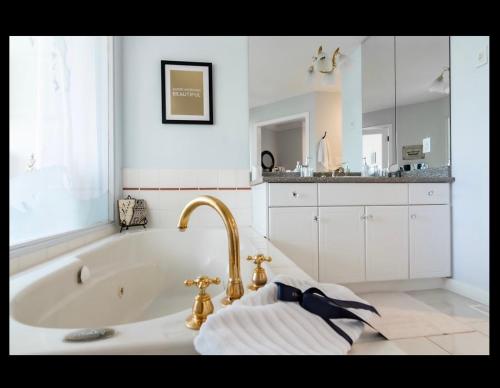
x=186, y=92
x=413, y=152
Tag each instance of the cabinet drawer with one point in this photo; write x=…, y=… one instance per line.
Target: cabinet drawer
x=339, y=194
x=429, y=193
x=293, y=194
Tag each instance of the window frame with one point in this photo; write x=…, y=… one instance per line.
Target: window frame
x=27, y=247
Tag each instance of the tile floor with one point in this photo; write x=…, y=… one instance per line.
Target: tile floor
x=467, y=311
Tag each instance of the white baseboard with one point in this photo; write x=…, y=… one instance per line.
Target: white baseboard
x=397, y=285
x=467, y=290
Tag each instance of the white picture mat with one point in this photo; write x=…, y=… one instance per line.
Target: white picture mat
x=206, y=92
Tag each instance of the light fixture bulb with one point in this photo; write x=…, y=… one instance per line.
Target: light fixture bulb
x=442, y=83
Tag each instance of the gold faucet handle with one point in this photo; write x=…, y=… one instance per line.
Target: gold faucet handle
x=259, y=258
x=202, y=282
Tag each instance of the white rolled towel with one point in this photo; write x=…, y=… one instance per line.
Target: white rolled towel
x=323, y=155
x=259, y=323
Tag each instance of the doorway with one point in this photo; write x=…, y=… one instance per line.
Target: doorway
x=378, y=145
x=289, y=138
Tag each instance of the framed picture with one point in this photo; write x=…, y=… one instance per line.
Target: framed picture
x=186, y=92
x=413, y=152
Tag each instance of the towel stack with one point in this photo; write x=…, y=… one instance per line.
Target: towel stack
x=260, y=324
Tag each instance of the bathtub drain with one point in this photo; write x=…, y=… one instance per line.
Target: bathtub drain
x=84, y=335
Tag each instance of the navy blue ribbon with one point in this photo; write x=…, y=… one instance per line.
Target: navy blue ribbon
x=315, y=301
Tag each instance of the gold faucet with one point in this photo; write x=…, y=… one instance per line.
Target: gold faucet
x=202, y=306
x=259, y=277
x=234, y=288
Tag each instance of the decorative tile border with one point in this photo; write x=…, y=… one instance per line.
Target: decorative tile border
x=193, y=179
x=185, y=188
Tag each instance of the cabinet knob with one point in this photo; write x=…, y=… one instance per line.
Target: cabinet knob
x=363, y=217
x=430, y=193
x=369, y=217
x=413, y=216
x=295, y=194
x=316, y=218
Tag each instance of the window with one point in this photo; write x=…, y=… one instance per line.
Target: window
x=59, y=147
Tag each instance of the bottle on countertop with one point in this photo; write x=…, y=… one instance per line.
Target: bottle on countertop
x=364, y=168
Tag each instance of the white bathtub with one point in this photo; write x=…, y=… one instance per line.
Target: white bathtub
x=47, y=302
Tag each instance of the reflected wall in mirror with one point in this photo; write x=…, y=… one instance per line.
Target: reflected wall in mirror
x=379, y=101
x=384, y=95
x=284, y=140
x=422, y=97
x=281, y=86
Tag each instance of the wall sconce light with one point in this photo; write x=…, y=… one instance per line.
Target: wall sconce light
x=442, y=83
x=323, y=63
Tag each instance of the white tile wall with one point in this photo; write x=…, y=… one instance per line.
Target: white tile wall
x=242, y=178
x=208, y=178
x=131, y=177
x=149, y=178
x=164, y=206
x=227, y=178
x=188, y=178
x=169, y=178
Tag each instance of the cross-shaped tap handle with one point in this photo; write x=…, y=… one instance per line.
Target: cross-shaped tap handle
x=202, y=282
x=259, y=258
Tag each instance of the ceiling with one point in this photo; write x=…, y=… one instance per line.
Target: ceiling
x=278, y=67
x=285, y=125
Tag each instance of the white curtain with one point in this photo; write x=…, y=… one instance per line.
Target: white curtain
x=71, y=114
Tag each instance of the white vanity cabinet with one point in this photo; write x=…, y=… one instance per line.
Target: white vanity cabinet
x=355, y=232
x=341, y=244
x=294, y=231
x=386, y=242
x=430, y=241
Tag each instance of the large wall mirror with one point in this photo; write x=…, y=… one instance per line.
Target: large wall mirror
x=378, y=99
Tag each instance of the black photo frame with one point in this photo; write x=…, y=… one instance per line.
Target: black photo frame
x=166, y=98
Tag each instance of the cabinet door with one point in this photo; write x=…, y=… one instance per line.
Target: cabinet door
x=386, y=242
x=430, y=254
x=294, y=231
x=341, y=244
x=259, y=208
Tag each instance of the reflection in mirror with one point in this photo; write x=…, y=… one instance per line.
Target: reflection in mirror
x=284, y=141
x=267, y=160
x=290, y=76
x=379, y=100
x=423, y=101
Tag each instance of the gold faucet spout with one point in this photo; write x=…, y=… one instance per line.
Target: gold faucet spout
x=234, y=288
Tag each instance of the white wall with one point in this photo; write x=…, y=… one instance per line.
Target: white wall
x=269, y=142
x=352, y=116
x=470, y=163
x=170, y=164
x=289, y=143
x=150, y=144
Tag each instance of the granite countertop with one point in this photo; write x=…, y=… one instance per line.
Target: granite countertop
x=353, y=179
